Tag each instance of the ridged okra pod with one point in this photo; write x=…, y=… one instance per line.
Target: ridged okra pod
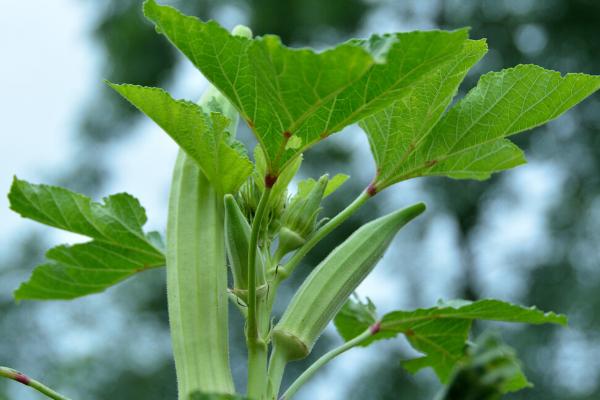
x=330, y=284
x=197, y=274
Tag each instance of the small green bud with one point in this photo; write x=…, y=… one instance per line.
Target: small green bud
x=248, y=198
x=242, y=30
x=330, y=284
x=299, y=219
x=237, y=242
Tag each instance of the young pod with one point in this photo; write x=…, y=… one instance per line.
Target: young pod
x=237, y=240
x=330, y=284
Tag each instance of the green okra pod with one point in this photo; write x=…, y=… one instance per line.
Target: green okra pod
x=197, y=273
x=197, y=282
x=330, y=284
x=237, y=240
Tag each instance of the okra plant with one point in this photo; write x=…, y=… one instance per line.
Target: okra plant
x=235, y=231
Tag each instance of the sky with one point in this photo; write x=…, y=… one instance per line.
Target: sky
x=46, y=73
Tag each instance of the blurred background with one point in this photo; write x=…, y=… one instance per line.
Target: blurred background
x=530, y=235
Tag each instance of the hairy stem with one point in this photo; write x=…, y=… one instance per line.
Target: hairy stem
x=197, y=283
x=326, y=229
x=306, y=375
x=257, y=348
x=27, y=381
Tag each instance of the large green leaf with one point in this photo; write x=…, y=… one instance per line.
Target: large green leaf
x=399, y=129
x=407, y=139
x=120, y=247
x=202, y=136
x=440, y=332
x=292, y=98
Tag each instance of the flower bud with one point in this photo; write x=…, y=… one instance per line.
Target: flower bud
x=237, y=242
x=299, y=219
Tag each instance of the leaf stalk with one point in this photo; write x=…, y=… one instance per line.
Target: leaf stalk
x=27, y=381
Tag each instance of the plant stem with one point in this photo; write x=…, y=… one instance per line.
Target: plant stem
x=253, y=247
x=277, y=364
x=27, y=381
x=289, y=267
x=257, y=348
x=306, y=375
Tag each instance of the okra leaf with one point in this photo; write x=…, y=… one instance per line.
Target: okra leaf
x=441, y=332
x=292, y=98
x=204, y=137
x=355, y=317
x=489, y=370
x=118, y=250
x=468, y=142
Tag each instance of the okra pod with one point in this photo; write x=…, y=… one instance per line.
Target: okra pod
x=197, y=282
x=330, y=284
x=197, y=273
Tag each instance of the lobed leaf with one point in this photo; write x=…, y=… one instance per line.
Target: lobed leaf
x=118, y=250
x=399, y=129
x=440, y=332
x=292, y=98
x=408, y=139
x=204, y=137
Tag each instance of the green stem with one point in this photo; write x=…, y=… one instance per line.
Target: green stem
x=257, y=348
x=289, y=267
x=27, y=381
x=277, y=364
x=253, y=247
x=306, y=375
